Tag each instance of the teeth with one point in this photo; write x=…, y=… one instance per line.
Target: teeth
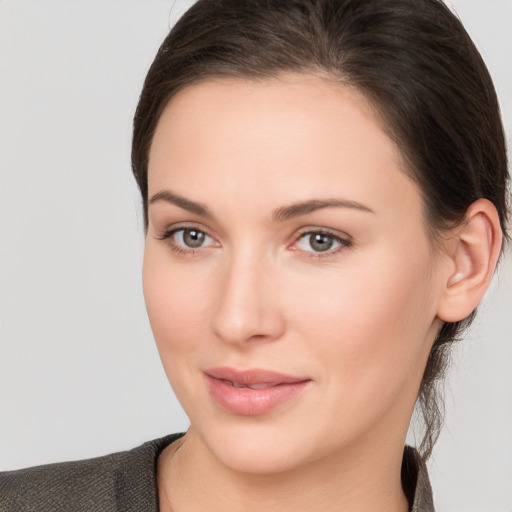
x=262, y=385
x=259, y=386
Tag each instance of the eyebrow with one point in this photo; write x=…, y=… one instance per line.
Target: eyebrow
x=280, y=215
x=304, y=207
x=182, y=202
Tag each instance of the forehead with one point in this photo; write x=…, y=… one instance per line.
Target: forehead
x=295, y=135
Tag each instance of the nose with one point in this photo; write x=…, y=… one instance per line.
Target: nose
x=247, y=308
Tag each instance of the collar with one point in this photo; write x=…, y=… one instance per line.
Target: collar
x=415, y=481
x=135, y=481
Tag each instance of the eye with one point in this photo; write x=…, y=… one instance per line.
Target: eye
x=191, y=238
x=187, y=240
x=320, y=242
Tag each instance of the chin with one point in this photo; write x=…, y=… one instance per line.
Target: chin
x=258, y=454
x=259, y=446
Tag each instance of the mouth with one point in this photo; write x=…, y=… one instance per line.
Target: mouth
x=252, y=392
x=261, y=385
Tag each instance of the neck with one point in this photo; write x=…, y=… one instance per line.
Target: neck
x=191, y=479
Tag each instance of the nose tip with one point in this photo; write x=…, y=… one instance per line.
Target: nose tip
x=247, y=308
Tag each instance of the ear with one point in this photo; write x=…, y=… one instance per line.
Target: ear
x=472, y=253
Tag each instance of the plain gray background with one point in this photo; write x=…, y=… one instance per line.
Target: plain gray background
x=79, y=373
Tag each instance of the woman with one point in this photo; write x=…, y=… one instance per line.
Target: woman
x=324, y=189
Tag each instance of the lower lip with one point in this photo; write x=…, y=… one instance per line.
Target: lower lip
x=252, y=402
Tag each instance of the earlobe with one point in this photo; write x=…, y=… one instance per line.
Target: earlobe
x=473, y=253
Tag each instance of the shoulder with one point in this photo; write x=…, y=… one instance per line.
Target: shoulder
x=119, y=481
x=55, y=486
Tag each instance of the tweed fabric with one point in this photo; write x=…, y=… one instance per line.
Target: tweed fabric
x=415, y=482
x=126, y=482
x=119, y=482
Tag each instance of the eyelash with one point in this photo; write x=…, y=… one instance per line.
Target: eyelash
x=344, y=243
x=166, y=236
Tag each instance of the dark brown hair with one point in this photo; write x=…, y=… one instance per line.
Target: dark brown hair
x=412, y=59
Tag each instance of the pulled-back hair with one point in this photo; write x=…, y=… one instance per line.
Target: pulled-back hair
x=412, y=59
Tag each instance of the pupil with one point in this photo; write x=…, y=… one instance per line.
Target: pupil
x=320, y=242
x=193, y=238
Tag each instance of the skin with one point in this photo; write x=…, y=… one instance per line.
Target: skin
x=358, y=319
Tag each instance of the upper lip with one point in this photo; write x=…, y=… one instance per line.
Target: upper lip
x=253, y=376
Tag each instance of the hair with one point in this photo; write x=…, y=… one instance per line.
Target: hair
x=412, y=59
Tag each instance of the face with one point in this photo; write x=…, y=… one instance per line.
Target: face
x=288, y=277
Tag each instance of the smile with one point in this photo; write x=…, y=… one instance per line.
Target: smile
x=252, y=392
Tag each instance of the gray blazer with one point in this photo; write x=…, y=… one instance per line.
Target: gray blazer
x=126, y=482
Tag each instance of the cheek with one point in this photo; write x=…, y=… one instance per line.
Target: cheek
x=368, y=326
x=177, y=301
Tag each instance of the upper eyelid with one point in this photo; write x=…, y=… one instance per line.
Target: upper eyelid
x=177, y=230
x=324, y=231
x=168, y=231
